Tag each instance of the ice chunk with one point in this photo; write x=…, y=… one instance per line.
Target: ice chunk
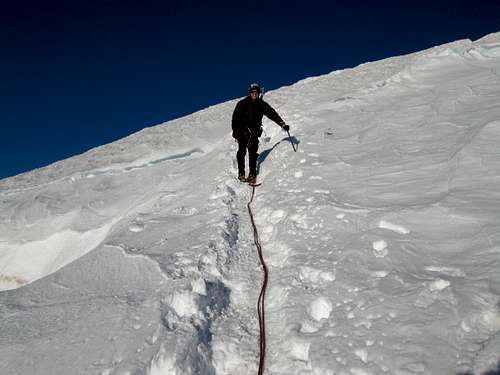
x=393, y=227
x=380, y=248
x=184, y=303
x=362, y=354
x=320, y=308
x=439, y=285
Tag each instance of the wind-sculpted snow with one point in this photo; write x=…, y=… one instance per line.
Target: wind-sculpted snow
x=381, y=234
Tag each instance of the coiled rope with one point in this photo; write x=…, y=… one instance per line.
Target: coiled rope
x=262, y=296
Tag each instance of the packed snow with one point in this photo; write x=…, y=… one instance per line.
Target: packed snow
x=381, y=233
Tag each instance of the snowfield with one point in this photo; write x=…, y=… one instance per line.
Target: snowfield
x=381, y=233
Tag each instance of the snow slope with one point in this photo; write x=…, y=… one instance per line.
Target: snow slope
x=381, y=234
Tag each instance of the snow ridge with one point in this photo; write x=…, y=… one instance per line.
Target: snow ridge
x=380, y=234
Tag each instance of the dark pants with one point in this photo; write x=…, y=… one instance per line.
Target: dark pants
x=252, y=143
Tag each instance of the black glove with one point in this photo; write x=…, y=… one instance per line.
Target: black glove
x=286, y=127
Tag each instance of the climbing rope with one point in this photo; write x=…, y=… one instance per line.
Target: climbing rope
x=262, y=296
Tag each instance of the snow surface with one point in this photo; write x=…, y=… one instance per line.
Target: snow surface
x=382, y=235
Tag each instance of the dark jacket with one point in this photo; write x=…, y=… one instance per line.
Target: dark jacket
x=247, y=117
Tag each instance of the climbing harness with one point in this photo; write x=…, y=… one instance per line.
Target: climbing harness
x=262, y=295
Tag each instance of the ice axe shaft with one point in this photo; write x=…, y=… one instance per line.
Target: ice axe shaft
x=291, y=141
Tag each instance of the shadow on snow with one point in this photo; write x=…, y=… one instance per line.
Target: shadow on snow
x=264, y=154
x=495, y=371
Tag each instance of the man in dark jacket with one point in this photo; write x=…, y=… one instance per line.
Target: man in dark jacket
x=247, y=128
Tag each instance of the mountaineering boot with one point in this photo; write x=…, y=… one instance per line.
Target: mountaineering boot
x=252, y=179
x=241, y=177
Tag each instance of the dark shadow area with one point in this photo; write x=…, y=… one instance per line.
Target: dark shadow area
x=495, y=371
x=264, y=154
x=213, y=304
